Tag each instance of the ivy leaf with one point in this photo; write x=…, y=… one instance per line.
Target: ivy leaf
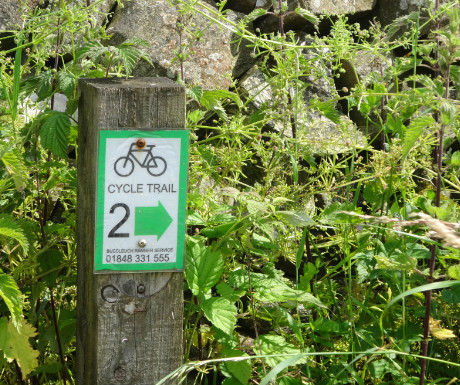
x=413, y=132
x=10, y=228
x=15, y=345
x=221, y=313
x=12, y=296
x=16, y=168
x=203, y=267
x=54, y=134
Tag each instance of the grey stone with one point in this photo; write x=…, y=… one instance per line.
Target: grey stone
x=208, y=60
x=10, y=14
x=333, y=7
x=293, y=21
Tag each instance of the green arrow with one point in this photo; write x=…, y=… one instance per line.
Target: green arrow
x=151, y=220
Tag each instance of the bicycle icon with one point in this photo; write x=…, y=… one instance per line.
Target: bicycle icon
x=155, y=165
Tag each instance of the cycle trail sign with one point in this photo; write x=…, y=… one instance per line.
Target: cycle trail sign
x=141, y=200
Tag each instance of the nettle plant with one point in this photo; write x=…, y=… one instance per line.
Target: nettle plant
x=363, y=287
x=55, y=46
x=303, y=265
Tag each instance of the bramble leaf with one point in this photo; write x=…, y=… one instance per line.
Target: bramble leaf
x=221, y=313
x=203, y=267
x=54, y=134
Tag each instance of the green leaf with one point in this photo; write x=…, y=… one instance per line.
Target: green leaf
x=13, y=298
x=455, y=159
x=256, y=13
x=203, y=267
x=454, y=272
x=50, y=368
x=16, y=168
x=49, y=262
x=280, y=367
x=45, y=85
x=327, y=108
x=273, y=290
x=448, y=112
x=307, y=15
x=10, y=228
x=66, y=82
x=194, y=93
x=413, y=132
x=451, y=295
x=221, y=313
x=241, y=369
x=399, y=261
x=296, y=218
x=277, y=345
x=54, y=134
x=15, y=345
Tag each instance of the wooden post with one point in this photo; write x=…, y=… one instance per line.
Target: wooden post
x=129, y=325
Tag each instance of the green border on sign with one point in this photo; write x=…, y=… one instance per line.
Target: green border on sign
x=100, y=267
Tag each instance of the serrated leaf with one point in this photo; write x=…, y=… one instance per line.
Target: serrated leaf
x=66, y=83
x=413, y=132
x=194, y=93
x=45, y=85
x=277, y=345
x=10, y=228
x=12, y=297
x=15, y=345
x=129, y=56
x=307, y=15
x=16, y=168
x=54, y=133
x=241, y=369
x=256, y=13
x=203, y=267
x=221, y=313
x=93, y=50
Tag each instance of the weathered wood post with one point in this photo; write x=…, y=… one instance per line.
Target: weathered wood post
x=132, y=175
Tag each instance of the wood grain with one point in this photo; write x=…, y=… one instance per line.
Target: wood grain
x=129, y=325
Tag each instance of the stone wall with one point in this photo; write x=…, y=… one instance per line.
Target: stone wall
x=213, y=60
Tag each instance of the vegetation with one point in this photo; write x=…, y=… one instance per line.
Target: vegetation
x=303, y=265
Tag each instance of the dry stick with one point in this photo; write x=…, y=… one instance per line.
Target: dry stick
x=439, y=153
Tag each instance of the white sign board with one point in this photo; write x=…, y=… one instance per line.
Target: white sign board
x=141, y=200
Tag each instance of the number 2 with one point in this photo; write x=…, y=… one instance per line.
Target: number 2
x=113, y=233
